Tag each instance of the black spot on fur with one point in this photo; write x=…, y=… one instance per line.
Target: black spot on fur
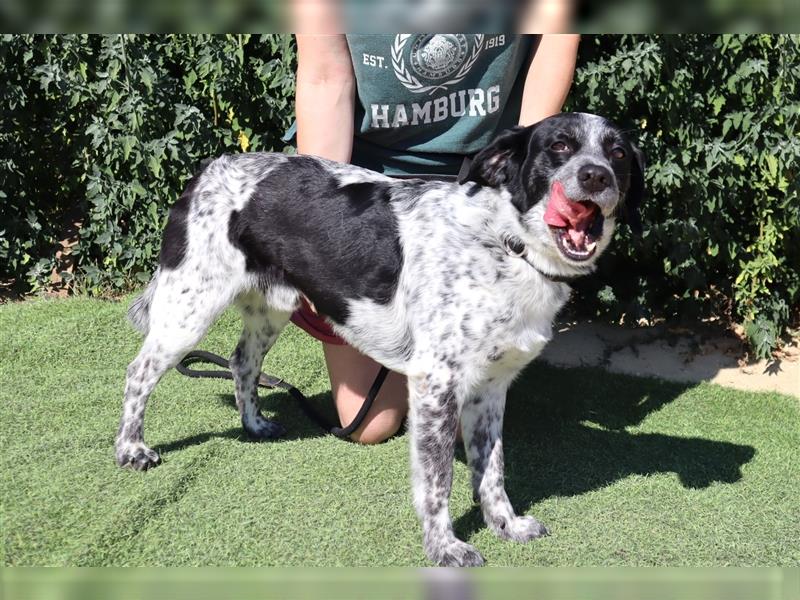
x=479, y=442
x=473, y=190
x=173, y=245
x=301, y=224
x=175, y=240
x=495, y=354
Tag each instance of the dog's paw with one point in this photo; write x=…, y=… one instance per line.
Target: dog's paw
x=261, y=428
x=455, y=554
x=519, y=529
x=137, y=456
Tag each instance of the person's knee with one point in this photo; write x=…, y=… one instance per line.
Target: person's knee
x=352, y=376
x=378, y=428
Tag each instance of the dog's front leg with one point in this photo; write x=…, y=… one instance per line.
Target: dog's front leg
x=482, y=428
x=433, y=420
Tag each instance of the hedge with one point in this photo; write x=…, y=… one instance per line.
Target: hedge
x=99, y=133
x=717, y=118
x=105, y=130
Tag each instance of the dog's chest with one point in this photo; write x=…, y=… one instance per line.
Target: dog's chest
x=514, y=346
x=517, y=324
x=486, y=302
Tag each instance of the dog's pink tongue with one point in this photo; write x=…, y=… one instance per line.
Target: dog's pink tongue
x=563, y=212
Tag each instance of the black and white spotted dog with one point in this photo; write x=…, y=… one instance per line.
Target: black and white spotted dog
x=453, y=284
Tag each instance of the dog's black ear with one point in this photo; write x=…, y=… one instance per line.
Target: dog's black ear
x=636, y=193
x=501, y=160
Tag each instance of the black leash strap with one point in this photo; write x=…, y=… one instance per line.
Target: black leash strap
x=344, y=432
x=268, y=381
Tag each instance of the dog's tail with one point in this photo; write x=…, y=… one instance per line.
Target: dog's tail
x=139, y=312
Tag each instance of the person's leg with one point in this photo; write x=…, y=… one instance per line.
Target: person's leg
x=352, y=374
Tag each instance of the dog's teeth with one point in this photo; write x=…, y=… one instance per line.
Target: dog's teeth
x=577, y=253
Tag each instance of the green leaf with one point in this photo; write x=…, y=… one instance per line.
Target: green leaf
x=128, y=142
x=717, y=104
x=189, y=80
x=137, y=189
x=772, y=166
x=154, y=164
x=147, y=76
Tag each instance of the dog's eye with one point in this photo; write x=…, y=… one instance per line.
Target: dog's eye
x=559, y=147
x=618, y=153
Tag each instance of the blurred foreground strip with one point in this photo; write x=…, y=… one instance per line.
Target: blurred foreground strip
x=395, y=16
x=426, y=584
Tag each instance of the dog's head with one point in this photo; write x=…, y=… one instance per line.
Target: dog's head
x=569, y=177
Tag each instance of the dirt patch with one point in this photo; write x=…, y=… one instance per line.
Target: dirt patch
x=704, y=353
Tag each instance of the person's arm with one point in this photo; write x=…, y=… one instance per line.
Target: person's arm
x=549, y=77
x=325, y=97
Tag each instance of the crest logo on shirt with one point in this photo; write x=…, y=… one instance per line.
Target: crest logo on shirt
x=433, y=58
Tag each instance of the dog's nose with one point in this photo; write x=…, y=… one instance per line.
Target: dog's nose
x=594, y=178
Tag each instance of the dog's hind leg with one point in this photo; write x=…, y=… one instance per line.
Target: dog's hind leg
x=180, y=313
x=262, y=324
x=482, y=429
x=433, y=421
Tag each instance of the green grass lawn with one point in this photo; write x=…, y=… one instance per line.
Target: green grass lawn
x=623, y=471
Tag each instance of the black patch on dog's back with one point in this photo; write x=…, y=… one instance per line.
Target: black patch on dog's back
x=334, y=243
x=175, y=240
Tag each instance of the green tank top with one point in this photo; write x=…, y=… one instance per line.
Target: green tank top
x=426, y=100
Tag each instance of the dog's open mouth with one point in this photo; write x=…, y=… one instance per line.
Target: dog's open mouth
x=576, y=225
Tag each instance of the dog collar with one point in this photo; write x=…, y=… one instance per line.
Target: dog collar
x=516, y=248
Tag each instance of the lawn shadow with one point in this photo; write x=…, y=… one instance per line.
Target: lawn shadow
x=565, y=435
x=234, y=433
x=282, y=407
x=276, y=404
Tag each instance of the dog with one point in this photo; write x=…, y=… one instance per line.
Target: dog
x=454, y=284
